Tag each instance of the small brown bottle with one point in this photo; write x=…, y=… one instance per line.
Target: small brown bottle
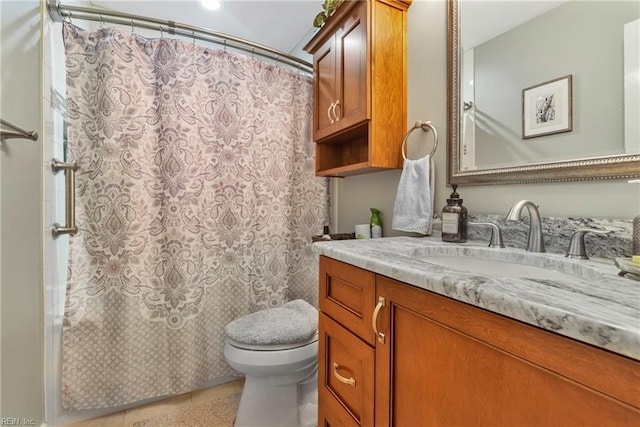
x=454, y=219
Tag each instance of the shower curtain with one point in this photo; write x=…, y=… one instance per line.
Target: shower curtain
x=196, y=203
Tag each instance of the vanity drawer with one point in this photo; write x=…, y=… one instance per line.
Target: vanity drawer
x=347, y=294
x=345, y=374
x=327, y=417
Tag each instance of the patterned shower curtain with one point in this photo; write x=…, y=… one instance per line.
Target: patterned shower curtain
x=196, y=203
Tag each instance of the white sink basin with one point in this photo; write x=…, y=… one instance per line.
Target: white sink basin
x=491, y=267
x=506, y=262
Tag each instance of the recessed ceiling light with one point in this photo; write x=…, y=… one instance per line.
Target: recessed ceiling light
x=211, y=4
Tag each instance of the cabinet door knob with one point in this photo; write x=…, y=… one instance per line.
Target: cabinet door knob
x=349, y=381
x=330, y=110
x=374, y=319
x=335, y=114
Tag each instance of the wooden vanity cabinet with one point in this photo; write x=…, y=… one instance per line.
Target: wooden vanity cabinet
x=446, y=363
x=359, y=88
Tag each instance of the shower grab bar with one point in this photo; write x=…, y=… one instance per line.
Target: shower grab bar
x=16, y=132
x=69, y=198
x=425, y=126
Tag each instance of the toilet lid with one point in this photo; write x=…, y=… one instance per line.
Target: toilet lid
x=293, y=323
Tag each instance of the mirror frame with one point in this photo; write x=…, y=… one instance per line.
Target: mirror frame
x=623, y=166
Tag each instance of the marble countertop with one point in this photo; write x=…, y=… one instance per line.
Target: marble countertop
x=592, y=304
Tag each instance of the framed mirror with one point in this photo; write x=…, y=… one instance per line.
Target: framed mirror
x=543, y=91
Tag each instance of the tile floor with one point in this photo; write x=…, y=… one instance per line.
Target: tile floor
x=128, y=417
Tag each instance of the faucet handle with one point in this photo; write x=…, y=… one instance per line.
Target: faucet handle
x=577, y=247
x=496, y=234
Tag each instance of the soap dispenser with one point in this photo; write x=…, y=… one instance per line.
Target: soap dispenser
x=454, y=219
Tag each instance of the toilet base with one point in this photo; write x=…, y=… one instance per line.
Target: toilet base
x=308, y=403
x=289, y=405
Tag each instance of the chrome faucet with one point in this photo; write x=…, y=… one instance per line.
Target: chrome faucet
x=536, y=240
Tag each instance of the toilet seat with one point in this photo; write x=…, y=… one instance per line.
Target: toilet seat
x=272, y=347
x=288, y=325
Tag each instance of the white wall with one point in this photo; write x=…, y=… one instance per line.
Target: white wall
x=427, y=100
x=21, y=369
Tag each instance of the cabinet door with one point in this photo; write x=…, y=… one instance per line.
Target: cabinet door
x=325, y=88
x=340, y=66
x=351, y=40
x=432, y=371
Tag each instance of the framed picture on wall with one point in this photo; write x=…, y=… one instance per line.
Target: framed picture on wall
x=547, y=108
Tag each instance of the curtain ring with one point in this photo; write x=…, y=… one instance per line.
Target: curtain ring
x=278, y=60
x=101, y=22
x=67, y=18
x=132, y=26
x=253, y=51
x=161, y=32
x=225, y=45
x=193, y=34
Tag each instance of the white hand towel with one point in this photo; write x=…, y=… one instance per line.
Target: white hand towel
x=413, y=208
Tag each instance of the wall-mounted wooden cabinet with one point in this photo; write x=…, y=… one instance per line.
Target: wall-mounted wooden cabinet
x=435, y=361
x=359, y=99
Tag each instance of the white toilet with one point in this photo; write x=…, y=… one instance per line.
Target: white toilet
x=277, y=351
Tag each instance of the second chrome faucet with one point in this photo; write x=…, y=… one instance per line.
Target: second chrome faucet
x=536, y=240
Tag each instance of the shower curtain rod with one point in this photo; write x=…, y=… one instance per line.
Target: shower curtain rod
x=59, y=12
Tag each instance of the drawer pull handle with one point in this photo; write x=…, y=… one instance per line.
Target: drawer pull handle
x=349, y=381
x=374, y=319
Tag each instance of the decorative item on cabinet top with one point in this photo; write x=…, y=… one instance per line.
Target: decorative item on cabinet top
x=360, y=111
x=329, y=7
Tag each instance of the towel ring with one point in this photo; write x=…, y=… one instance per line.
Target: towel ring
x=425, y=126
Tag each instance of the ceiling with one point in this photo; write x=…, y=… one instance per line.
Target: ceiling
x=284, y=25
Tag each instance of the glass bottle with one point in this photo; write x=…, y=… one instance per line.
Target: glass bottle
x=325, y=233
x=454, y=219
